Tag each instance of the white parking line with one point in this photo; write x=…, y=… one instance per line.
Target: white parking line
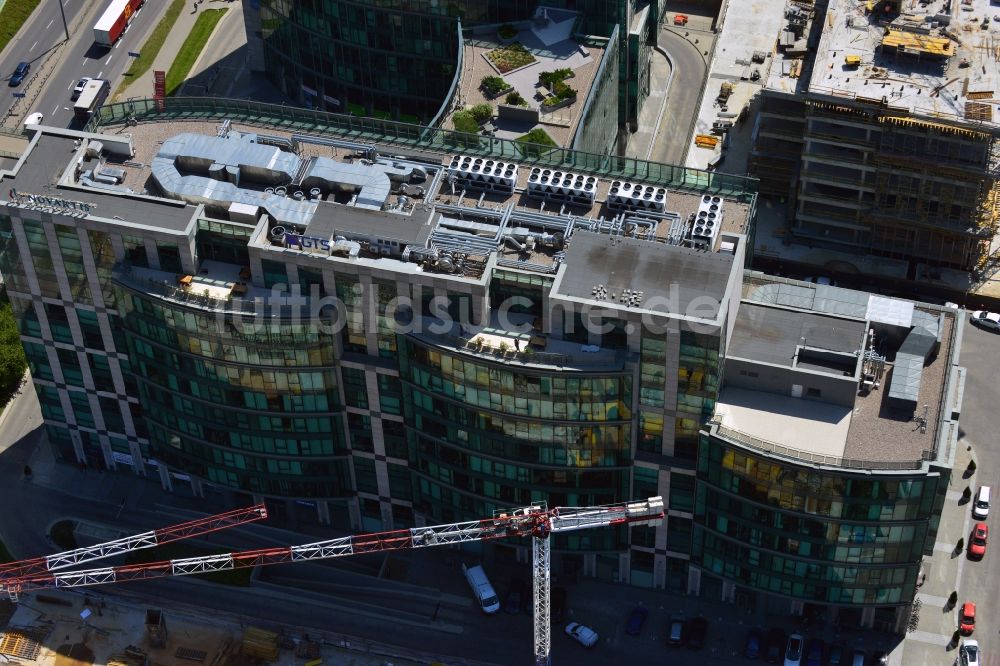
x=109, y=59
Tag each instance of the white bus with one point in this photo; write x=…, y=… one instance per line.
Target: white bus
x=93, y=96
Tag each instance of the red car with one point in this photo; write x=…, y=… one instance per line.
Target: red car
x=967, y=618
x=977, y=542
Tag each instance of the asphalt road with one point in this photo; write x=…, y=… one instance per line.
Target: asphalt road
x=980, y=423
x=49, y=91
x=347, y=598
x=674, y=134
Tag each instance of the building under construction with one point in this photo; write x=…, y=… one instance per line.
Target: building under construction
x=882, y=131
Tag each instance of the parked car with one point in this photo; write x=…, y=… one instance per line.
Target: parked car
x=558, y=604
x=793, y=650
x=774, y=646
x=813, y=655
x=675, y=632
x=696, y=630
x=80, y=85
x=822, y=279
x=983, y=319
x=967, y=618
x=977, y=541
x=981, y=505
x=754, y=644
x=515, y=598
x=636, y=619
x=969, y=653
x=835, y=657
x=20, y=73
x=583, y=635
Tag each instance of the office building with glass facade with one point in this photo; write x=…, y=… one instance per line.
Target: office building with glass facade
x=283, y=320
x=384, y=342
x=823, y=470
x=402, y=60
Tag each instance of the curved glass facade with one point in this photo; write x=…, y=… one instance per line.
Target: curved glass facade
x=397, y=59
x=807, y=533
x=365, y=58
x=484, y=436
x=257, y=412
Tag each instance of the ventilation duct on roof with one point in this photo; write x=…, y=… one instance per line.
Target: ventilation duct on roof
x=210, y=170
x=907, y=373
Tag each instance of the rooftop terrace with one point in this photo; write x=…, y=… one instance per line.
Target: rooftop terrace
x=388, y=203
x=777, y=317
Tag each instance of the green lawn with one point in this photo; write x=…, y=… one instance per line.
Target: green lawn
x=531, y=142
x=13, y=16
x=173, y=551
x=192, y=47
x=149, y=50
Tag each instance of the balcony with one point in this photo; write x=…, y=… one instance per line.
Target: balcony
x=217, y=287
x=526, y=346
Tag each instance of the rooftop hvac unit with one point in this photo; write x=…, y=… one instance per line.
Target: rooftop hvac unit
x=626, y=196
x=708, y=221
x=562, y=186
x=483, y=173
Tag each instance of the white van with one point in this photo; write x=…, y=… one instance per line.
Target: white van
x=481, y=588
x=981, y=507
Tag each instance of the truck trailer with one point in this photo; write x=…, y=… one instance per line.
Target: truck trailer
x=114, y=20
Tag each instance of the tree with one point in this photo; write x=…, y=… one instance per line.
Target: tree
x=481, y=112
x=465, y=122
x=493, y=85
x=515, y=99
x=12, y=360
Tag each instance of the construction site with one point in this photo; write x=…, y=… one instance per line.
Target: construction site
x=877, y=121
x=68, y=629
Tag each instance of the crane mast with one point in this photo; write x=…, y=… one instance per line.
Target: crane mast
x=536, y=521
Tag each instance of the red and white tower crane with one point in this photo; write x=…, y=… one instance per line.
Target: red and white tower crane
x=536, y=521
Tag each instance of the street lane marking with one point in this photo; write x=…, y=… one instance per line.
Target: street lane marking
x=33, y=46
x=71, y=83
x=100, y=74
x=54, y=109
x=109, y=59
x=49, y=24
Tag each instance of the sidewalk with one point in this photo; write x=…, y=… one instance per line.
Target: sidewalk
x=661, y=75
x=943, y=571
x=143, y=87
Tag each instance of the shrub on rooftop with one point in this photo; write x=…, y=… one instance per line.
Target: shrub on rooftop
x=481, y=112
x=465, y=122
x=507, y=31
x=493, y=85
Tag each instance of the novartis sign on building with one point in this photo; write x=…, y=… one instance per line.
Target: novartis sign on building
x=39, y=201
